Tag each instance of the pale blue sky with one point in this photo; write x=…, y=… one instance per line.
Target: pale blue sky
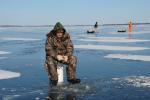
x=43, y=12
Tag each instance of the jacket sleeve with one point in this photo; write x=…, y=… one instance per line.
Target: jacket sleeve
x=69, y=46
x=49, y=49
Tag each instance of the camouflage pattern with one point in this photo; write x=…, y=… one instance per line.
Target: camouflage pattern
x=54, y=47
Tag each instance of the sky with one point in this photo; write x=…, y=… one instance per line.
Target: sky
x=48, y=12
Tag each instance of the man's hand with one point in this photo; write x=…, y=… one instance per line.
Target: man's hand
x=62, y=58
x=65, y=58
x=59, y=57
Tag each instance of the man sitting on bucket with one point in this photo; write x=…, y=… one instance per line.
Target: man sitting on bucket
x=59, y=49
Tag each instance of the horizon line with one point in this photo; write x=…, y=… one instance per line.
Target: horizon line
x=67, y=25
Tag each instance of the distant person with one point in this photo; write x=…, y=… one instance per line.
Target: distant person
x=93, y=30
x=59, y=49
x=96, y=25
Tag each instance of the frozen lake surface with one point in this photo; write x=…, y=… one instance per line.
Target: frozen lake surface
x=111, y=65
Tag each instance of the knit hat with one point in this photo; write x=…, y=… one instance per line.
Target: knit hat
x=58, y=26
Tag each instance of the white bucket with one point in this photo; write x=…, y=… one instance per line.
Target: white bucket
x=60, y=71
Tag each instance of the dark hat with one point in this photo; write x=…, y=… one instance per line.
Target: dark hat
x=58, y=26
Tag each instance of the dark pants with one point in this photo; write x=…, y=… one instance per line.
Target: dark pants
x=51, y=68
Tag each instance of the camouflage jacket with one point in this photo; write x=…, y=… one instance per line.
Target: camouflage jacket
x=54, y=47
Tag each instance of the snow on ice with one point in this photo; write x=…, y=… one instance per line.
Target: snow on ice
x=18, y=39
x=4, y=52
x=8, y=74
x=112, y=39
x=106, y=47
x=129, y=57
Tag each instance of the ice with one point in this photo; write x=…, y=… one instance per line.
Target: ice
x=24, y=29
x=112, y=39
x=18, y=39
x=137, y=81
x=106, y=47
x=24, y=47
x=3, y=57
x=134, y=32
x=37, y=98
x=129, y=57
x=2, y=29
x=3, y=89
x=140, y=32
x=10, y=97
x=102, y=37
x=4, y=52
x=8, y=74
x=54, y=93
x=77, y=88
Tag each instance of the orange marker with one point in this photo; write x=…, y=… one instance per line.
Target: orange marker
x=130, y=27
x=130, y=30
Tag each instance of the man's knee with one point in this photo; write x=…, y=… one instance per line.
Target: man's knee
x=46, y=66
x=72, y=59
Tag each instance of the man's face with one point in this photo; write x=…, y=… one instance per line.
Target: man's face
x=59, y=34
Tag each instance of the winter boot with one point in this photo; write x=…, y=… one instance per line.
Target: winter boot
x=74, y=81
x=54, y=82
